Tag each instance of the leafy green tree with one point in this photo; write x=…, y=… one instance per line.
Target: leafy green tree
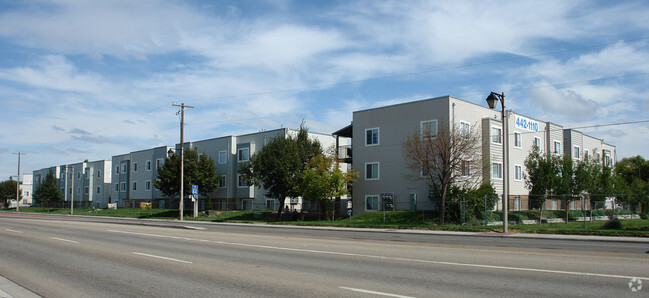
x=635, y=172
x=8, y=191
x=198, y=170
x=542, y=178
x=323, y=180
x=48, y=191
x=444, y=157
x=279, y=166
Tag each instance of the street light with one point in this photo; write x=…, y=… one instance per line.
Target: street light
x=492, y=101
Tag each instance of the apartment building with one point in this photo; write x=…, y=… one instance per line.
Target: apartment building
x=134, y=173
x=82, y=184
x=376, y=150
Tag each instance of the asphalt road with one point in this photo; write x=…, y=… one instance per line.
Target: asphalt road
x=64, y=257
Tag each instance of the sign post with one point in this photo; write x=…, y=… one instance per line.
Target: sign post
x=195, y=199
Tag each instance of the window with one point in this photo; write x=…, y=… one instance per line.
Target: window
x=78, y=175
x=98, y=173
x=557, y=147
x=243, y=154
x=223, y=157
x=372, y=203
x=497, y=170
x=465, y=129
x=222, y=181
x=78, y=190
x=124, y=168
x=465, y=168
x=26, y=193
x=241, y=181
x=428, y=128
x=518, y=172
x=148, y=165
x=554, y=204
x=135, y=167
x=123, y=186
x=116, y=186
x=608, y=161
x=159, y=162
x=85, y=173
x=372, y=171
x=98, y=189
x=586, y=154
x=577, y=152
x=537, y=143
x=134, y=185
x=371, y=137
x=496, y=135
x=116, y=169
x=518, y=140
x=147, y=185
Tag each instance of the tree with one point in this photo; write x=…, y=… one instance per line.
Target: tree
x=48, y=191
x=542, y=177
x=635, y=172
x=279, y=166
x=443, y=158
x=198, y=170
x=8, y=191
x=323, y=180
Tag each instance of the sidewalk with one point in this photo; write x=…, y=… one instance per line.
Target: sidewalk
x=9, y=289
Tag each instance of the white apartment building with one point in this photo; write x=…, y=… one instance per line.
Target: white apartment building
x=376, y=149
x=26, y=187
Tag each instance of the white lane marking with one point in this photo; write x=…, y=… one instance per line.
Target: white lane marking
x=66, y=240
x=13, y=231
x=385, y=258
x=374, y=292
x=164, y=258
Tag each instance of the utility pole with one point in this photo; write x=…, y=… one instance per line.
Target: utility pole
x=182, y=163
x=18, y=185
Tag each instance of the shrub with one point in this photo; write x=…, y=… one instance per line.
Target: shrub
x=613, y=224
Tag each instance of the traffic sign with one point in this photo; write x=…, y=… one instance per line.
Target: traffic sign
x=194, y=189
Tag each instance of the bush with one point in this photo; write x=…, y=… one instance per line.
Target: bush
x=613, y=224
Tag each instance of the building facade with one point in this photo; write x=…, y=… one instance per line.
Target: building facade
x=84, y=184
x=133, y=173
x=376, y=150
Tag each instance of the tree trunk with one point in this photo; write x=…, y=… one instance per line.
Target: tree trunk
x=281, y=207
x=567, y=200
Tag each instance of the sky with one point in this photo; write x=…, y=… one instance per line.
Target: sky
x=92, y=79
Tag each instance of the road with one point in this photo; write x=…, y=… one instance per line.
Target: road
x=64, y=257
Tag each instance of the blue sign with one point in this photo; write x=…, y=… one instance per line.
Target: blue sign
x=194, y=189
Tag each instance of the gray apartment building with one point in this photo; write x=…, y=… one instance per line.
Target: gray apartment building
x=134, y=173
x=82, y=184
x=376, y=150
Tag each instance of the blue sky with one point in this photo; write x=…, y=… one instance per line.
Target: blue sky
x=91, y=79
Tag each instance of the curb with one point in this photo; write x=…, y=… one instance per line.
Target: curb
x=192, y=225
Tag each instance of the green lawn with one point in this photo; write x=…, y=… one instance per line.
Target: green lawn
x=387, y=220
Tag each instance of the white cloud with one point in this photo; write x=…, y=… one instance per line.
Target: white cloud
x=563, y=102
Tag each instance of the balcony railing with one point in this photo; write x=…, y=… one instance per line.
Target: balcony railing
x=345, y=153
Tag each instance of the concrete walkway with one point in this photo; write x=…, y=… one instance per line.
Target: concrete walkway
x=9, y=289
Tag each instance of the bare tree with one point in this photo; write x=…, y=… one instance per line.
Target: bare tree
x=444, y=157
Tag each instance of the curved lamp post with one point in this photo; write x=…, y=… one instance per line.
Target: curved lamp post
x=492, y=101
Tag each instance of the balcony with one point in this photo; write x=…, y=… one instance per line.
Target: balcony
x=345, y=154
